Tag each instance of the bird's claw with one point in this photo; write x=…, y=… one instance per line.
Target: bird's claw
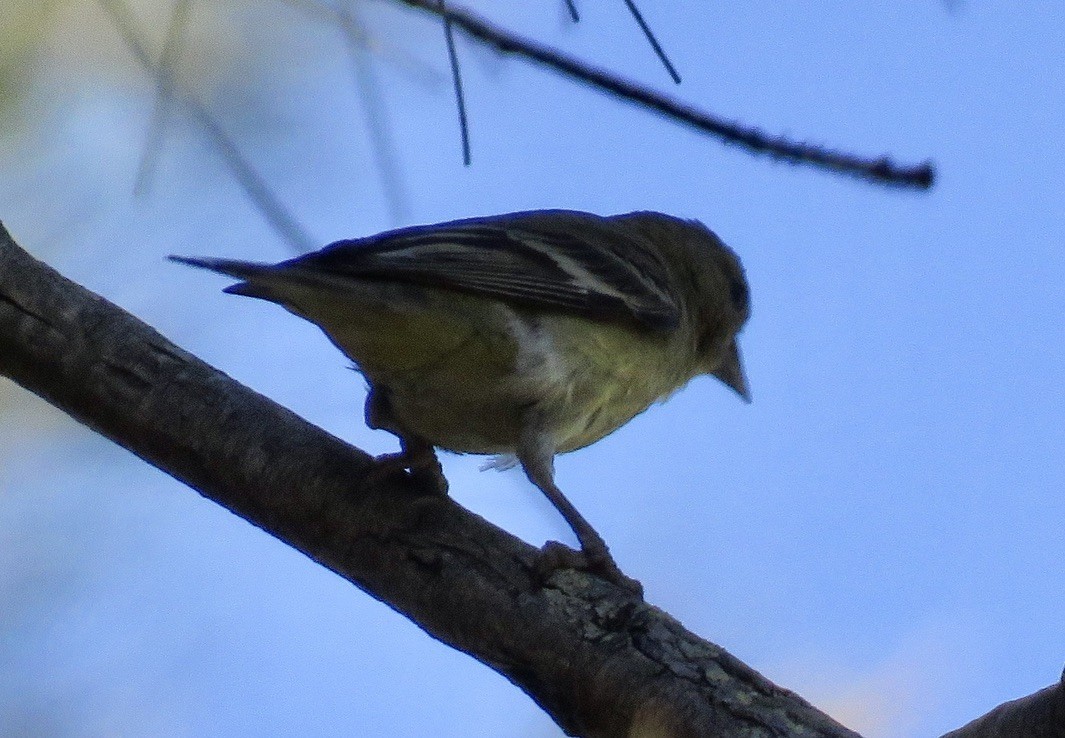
x=554, y=556
x=426, y=477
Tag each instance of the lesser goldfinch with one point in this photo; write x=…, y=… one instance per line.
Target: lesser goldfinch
x=523, y=335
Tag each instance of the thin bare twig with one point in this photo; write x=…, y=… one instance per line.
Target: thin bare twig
x=415, y=70
x=384, y=150
x=344, y=16
x=460, y=98
x=881, y=170
x=571, y=6
x=638, y=16
x=253, y=183
x=164, y=95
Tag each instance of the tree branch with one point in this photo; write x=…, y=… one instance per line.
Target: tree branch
x=1039, y=715
x=879, y=169
x=600, y=661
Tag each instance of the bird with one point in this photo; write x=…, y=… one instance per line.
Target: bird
x=522, y=335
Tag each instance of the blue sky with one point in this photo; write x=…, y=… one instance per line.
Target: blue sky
x=880, y=530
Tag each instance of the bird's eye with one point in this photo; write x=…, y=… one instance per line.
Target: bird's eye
x=738, y=291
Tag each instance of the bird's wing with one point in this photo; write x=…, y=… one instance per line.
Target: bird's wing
x=602, y=275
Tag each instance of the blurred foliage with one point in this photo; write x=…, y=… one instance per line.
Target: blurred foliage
x=25, y=25
x=54, y=52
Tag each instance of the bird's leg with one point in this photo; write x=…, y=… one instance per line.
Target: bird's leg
x=536, y=455
x=416, y=455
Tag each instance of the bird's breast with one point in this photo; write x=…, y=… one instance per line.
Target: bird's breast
x=472, y=386
x=591, y=378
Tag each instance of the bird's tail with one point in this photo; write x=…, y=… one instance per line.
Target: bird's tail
x=243, y=270
x=290, y=282
x=233, y=267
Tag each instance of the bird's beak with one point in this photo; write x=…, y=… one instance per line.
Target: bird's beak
x=731, y=372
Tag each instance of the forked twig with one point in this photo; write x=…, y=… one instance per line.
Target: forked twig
x=249, y=179
x=881, y=169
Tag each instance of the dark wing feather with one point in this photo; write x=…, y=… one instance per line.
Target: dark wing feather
x=603, y=276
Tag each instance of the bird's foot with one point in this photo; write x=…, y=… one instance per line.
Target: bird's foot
x=554, y=556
